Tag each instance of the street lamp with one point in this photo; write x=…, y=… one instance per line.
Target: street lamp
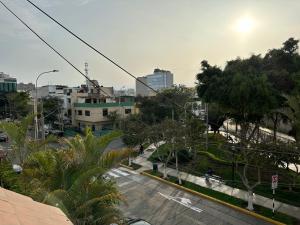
x=36, y=134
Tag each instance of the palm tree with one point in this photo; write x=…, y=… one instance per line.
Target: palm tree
x=72, y=179
x=22, y=145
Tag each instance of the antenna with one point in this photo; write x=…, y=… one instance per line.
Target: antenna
x=86, y=70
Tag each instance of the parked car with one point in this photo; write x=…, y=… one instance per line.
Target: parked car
x=58, y=133
x=130, y=221
x=3, y=137
x=137, y=222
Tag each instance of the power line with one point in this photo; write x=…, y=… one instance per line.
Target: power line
x=51, y=47
x=90, y=46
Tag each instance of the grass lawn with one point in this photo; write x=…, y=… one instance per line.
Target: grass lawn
x=133, y=165
x=234, y=201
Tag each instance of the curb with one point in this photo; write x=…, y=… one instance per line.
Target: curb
x=127, y=167
x=247, y=212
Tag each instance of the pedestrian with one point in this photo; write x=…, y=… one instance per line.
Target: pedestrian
x=141, y=149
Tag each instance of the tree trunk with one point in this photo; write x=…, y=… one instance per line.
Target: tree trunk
x=177, y=170
x=165, y=171
x=275, y=125
x=250, y=200
x=129, y=161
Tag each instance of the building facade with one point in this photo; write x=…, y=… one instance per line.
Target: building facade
x=7, y=83
x=93, y=108
x=159, y=80
x=21, y=87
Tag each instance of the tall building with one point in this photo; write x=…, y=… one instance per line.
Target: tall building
x=7, y=83
x=159, y=80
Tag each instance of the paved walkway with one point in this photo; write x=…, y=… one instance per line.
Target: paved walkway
x=218, y=186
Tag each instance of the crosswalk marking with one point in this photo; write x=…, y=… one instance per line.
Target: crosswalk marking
x=112, y=174
x=120, y=172
x=115, y=173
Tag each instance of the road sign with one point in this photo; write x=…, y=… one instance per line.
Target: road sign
x=274, y=181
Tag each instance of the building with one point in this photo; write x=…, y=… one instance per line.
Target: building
x=92, y=106
x=49, y=90
x=21, y=87
x=159, y=80
x=125, y=92
x=7, y=83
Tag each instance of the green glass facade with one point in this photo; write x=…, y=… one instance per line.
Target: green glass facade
x=9, y=85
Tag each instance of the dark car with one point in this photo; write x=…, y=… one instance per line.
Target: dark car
x=130, y=221
x=3, y=137
x=137, y=222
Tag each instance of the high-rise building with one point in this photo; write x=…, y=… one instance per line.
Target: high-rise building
x=159, y=80
x=7, y=83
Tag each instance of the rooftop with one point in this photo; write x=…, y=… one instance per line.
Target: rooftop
x=17, y=209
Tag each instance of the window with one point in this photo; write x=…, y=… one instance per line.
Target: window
x=87, y=113
x=105, y=112
x=69, y=100
x=127, y=111
x=79, y=112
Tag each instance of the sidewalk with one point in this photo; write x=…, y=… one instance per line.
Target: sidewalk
x=218, y=186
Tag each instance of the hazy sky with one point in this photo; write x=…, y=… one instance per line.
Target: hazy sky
x=141, y=35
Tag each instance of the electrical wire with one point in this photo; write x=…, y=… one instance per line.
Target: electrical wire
x=51, y=47
x=90, y=46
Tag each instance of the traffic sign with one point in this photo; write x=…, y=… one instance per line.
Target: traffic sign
x=274, y=181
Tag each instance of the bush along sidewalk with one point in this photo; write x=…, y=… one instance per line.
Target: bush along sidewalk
x=283, y=218
x=133, y=165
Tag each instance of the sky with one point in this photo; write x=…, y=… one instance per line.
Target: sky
x=140, y=35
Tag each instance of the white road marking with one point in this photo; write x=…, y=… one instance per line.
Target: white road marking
x=120, y=172
x=112, y=174
x=183, y=201
x=124, y=183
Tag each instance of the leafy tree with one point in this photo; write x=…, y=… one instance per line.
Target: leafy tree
x=216, y=116
x=52, y=108
x=135, y=130
x=282, y=67
x=246, y=98
x=156, y=109
x=114, y=117
x=21, y=144
x=15, y=104
x=72, y=179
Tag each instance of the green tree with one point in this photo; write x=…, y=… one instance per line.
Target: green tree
x=18, y=104
x=21, y=143
x=52, y=108
x=72, y=179
x=115, y=118
x=156, y=109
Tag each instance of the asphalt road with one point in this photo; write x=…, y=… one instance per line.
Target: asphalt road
x=115, y=145
x=161, y=204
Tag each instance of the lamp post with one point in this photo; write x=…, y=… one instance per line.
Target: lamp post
x=36, y=134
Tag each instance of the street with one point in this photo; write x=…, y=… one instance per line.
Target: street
x=161, y=204
x=116, y=144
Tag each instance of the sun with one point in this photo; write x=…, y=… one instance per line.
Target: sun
x=245, y=25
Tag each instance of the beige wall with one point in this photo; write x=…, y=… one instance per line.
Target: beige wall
x=96, y=115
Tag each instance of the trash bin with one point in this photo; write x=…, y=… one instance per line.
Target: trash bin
x=155, y=167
